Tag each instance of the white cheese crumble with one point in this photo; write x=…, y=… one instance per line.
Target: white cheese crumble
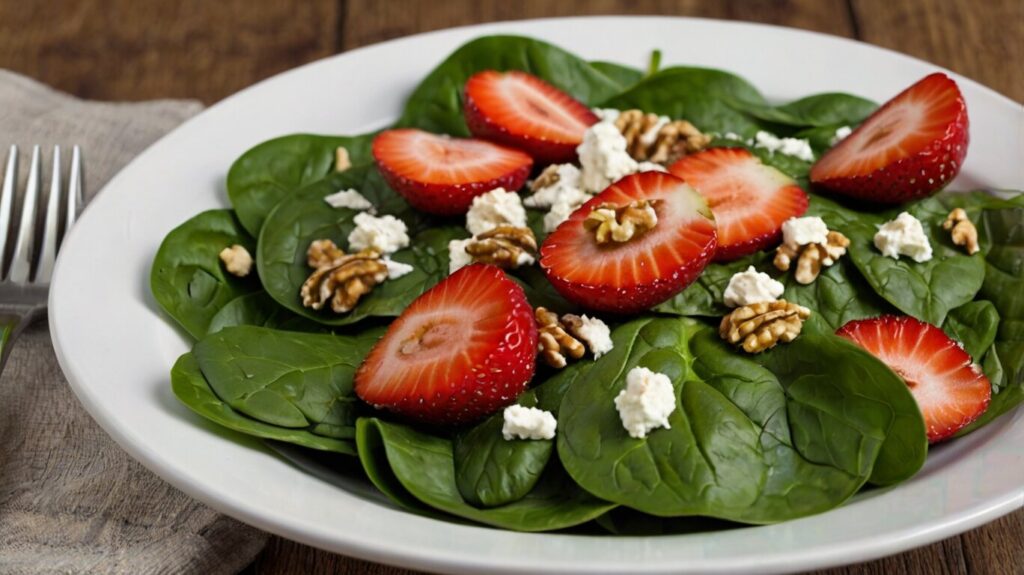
x=646, y=403
x=736, y=137
x=596, y=334
x=606, y=114
x=396, y=269
x=795, y=147
x=750, y=287
x=237, y=260
x=603, y=157
x=904, y=236
x=457, y=256
x=841, y=134
x=386, y=234
x=559, y=213
x=527, y=423
x=495, y=208
x=350, y=199
x=565, y=189
x=798, y=232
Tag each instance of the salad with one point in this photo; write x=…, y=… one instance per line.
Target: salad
x=561, y=294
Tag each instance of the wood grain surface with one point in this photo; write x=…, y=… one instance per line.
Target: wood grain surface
x=136, y=50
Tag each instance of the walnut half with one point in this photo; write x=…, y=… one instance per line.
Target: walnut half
x=554, y=342
x=339, y=277
x=962, y=229
x=671, y=141
x=611, y=223
x=761, y=326
x=237, y=260
x=507, y=247
x=811, y=258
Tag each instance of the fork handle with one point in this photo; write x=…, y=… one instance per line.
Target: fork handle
x=11, y=325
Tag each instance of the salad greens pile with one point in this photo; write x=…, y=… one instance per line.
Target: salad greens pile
x=756, y=439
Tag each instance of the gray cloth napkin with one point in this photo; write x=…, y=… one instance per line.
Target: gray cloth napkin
x=70, y=500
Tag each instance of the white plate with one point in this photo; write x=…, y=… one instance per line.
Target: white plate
x=116, y=349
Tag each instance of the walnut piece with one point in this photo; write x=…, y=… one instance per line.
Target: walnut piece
x=671, y=141
x=811, y=258
x=760, y=326
x=554, y=343
x=507, y=247
x=546, y=179
x=339, y=277
x=611, y=223
x=962, y=229
x=237, y=260
x=341, y=160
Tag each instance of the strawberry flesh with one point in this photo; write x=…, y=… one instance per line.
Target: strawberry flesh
x=950, y=389
x=908, y=149
x=749, y=199
x=520, y=110
x=634, y=275
x=440, y=174
x=461, y=351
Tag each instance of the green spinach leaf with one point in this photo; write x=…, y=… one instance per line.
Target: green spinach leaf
x=839, y=295
x=622, y=75
x=817, y=111
x=259, y=309
x=193, y=390
x=704, y=297
x=287, y=379
x=188, y=279
x=974, y=325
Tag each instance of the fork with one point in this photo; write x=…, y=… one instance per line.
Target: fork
x=24, y=288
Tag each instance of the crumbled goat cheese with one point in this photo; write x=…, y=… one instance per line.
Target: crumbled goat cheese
x=903, y=236
x=841, y=135
x=386, y=234
x=607, y=114
x=596, y=334
x=351, y=199
x=527, y=423
x=565, y=189
x=646, y=403
x=396, y=269
x=603, y=157
x=798, y=232
x=735, y=137
x=495, y=208
x=237, y=260
x=787, y=146
x=750, y=287
x=650, y=167
x=559, y=213
x=457, y=256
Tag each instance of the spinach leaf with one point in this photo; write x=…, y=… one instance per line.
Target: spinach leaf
x=302, y=218
x=622, y=75
x=539, y=290
x=704, y=296
x=417, y=469
x=436, y=104
x=820, y=110
x=259, y=309
x=193, y=390
x=188, y=279
x=744, y=444
x=925, y=290
x=270, y=171
x=839, y=295
x=974, y=325
x=287, y=379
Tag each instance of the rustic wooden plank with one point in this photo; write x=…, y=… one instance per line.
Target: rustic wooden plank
x=981, y=40
x=125, y=49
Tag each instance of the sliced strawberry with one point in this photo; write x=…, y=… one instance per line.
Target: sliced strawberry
x=441, y=175
x=523, y=111
x=643, y=271
x=949, y=388
x=908, y=149
x=749, y=199
x=460, y=351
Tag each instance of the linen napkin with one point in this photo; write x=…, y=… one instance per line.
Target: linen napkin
x=70, y=500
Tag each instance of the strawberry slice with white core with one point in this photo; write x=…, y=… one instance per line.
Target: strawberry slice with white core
x=749, y=199
x=908, y=149
x=950, y=389
x=461, y=351
x=644, y=271
x=440, y=174
x=523, y=111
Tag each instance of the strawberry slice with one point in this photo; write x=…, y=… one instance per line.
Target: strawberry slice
x=462, y=350
x=908, y=149
x=949, y=388
x=441, y=175
x=646, y=270
x=525, y=112
x=749, y=199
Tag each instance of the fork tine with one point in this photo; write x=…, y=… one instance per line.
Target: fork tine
x=48, y=254
x=75, y=200
x=21, y=266
x=7, y=200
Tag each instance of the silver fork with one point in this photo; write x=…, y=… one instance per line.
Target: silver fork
x=24, y=288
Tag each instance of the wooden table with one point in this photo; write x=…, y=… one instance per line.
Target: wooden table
x=136, y=50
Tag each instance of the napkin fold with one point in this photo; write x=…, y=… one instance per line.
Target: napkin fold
x=70, y=500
